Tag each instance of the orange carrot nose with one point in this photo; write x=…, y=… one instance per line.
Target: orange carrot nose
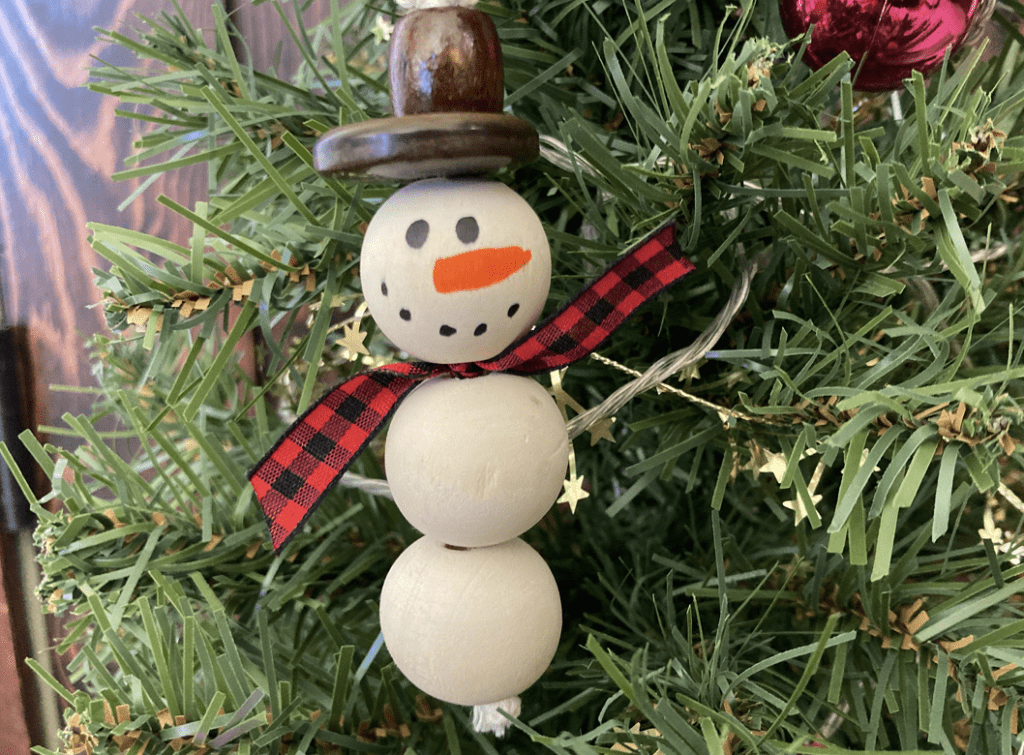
x=478, y=269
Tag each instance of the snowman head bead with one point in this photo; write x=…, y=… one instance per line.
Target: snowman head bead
x=455, y=270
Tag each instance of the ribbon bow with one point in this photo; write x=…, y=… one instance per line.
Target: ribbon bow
x=316, y=450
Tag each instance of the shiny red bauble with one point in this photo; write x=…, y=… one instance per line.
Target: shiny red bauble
x=888, y=39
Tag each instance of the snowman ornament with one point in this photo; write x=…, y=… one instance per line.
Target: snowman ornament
x=455, y=270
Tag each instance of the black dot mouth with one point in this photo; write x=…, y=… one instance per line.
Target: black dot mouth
x=448, y=330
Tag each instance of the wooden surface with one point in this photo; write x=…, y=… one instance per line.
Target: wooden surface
x=269, y=44
x=61, y=143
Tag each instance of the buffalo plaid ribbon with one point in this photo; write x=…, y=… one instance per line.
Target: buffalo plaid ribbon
x=316, y=450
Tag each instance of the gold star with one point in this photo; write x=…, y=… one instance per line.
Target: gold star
x=573, y=492
x=382, y=29
x=774, y=463
x=562, y=398
x=690, y=372
x=990, y=531
x=602, y=429
x=352, y=340
x=629, y=746
x=799, y=507
x=864, y=458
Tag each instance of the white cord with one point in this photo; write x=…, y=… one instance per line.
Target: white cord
x=671, y=364
x=487, y=719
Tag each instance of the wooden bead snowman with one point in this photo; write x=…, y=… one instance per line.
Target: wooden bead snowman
x=454, y=269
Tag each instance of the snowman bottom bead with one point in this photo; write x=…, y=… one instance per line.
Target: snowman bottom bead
x=474, y=626
x=476, y=462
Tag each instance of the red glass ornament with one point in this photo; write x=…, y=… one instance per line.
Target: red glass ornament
x=888, y=38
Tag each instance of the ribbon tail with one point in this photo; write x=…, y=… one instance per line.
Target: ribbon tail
x=293, y=477
x=583, y=324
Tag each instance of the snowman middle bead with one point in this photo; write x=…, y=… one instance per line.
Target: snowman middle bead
x=455, y=271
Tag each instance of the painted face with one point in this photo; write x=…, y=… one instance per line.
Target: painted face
x=455, y=270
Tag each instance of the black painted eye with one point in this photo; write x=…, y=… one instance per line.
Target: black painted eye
x=447, y=330
x=480, y=329
x=512, y=310
x=384, y=288
x=467, y=230
x=416, y=235
x=405, y=314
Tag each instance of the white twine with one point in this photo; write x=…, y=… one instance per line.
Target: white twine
x=370, y=485
x=487, y=719
x=671, y=364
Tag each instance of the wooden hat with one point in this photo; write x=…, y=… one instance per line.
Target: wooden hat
x=447, y=79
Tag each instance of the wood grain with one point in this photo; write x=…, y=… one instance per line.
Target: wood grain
x=66, y=142
x=61, y=143
x=266, y=38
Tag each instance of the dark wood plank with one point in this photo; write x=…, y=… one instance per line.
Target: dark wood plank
x=266, y=37
x=61, y=142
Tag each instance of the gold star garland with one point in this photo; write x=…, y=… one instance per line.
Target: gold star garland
x=573, y=491
x=689, y=373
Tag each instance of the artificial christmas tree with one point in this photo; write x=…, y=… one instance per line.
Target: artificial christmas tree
x=796, y=526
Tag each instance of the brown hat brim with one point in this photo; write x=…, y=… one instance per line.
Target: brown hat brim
x=427, y=145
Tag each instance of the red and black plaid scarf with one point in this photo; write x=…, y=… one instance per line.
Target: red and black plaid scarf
x=316, y=450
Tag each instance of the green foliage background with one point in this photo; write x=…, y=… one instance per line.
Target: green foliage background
x=876, y=367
